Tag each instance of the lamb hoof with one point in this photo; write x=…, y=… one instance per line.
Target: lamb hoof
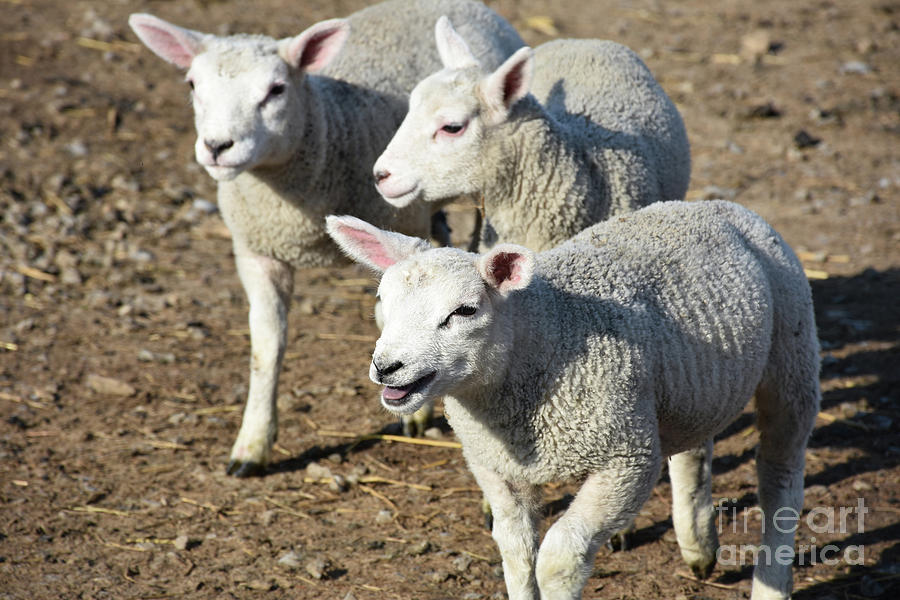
x=620, y=541
x=703, y=571
x=414, y=425
x=411, y=428
x=239, y=468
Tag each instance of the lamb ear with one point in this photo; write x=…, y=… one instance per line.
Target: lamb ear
x=452, y=48
x=313, y=49
x=371, y=246
x=507, y=267
x=508, y=84
x=173, y=44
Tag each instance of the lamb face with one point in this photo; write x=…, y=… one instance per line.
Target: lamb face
x=246, y=89
x=444, y=324
x=439, y=139
x=438, y=318
x=242, y=98
x=450, y=113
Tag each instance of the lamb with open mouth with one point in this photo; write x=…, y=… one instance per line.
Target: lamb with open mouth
x=633, y=343
x=401, y=398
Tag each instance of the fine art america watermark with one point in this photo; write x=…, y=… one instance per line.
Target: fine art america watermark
x=786, y=520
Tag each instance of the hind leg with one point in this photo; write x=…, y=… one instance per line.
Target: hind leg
x=786, y=412
x=693, y=514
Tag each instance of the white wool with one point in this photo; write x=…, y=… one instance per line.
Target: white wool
x=639, y=339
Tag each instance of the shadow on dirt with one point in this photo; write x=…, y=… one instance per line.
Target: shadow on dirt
x=361, y=444
x=881, y=580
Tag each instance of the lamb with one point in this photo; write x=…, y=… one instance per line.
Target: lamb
x=596, y=136
x=290, y=129
x=640, y=338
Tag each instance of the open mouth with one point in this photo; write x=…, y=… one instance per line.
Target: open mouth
x=396, y=396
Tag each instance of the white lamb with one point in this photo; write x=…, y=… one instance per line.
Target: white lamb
x=597, y=136
x=290, y=129
x=639, y=339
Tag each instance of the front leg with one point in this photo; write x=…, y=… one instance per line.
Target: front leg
x=606, y=503
x=268, y=284
x=514, y=509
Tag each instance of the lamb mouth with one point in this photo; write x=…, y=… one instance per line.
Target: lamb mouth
x=397, y=396
x=401, y=199
x=224, y=172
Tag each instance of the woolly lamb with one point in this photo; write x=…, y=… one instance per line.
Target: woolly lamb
x=639, y=339
x=596, y=137
x=290, y=129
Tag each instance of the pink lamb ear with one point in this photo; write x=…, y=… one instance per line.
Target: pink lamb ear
x=507, y=267
x=508, y=84
x=313, y=49
x=369, y=245
x=452, y=48
x=173, y=44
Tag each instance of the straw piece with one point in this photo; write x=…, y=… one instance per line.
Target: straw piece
x=720, y=586
x=389, y=438
x=378, y=495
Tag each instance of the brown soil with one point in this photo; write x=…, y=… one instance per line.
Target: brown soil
x=111, y=266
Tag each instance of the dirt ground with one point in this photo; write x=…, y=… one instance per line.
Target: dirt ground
x=124, y=345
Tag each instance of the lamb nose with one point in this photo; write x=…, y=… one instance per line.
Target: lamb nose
x=381, y=175
x=387, y=370
x=217, y=148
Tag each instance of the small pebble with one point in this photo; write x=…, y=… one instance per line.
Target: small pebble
x=438, y=576
x=204, y=206
x=861, y=486
x=260, y=585
x=268, y=517
x=108, y=385
x=755, y=44
x=337, y=483
x=419, y=548
x=433, y=433
x=77, y=149
x=182, y=542
x=855, y=67
x=291, y=560
x=816, y=490
x=462, y=562
x=384, y=516
x=317, y=567
x=317, y=471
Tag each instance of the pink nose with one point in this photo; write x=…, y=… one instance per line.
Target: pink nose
x=381, y=175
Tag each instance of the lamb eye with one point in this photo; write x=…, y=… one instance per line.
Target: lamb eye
x=453, y=128
x=191, y=84
x=277, y=89
x=462, y=311
x=465, y=311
